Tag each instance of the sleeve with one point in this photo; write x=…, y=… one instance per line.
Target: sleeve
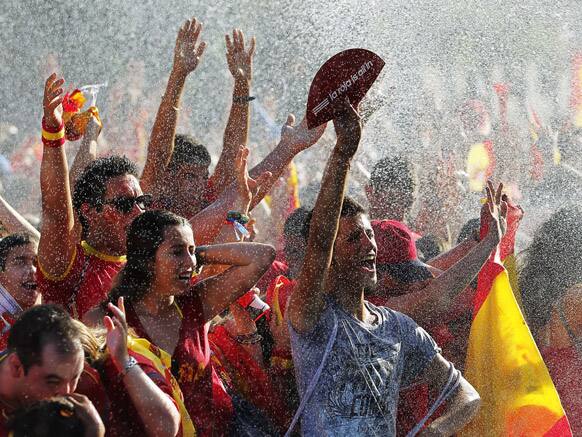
x=58, y=289
x=418, y=346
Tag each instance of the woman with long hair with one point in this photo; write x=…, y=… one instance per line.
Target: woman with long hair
x=167, y=306
x=551, y=287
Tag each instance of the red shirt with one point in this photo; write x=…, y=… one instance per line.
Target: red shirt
x=197, y=370
x=565, y=367
x=124, y=420
x=86, y=282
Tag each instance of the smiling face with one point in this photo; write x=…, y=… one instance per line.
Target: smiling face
x=19, y=274
x=354, y=252
x=175, y=261
x=108, y=219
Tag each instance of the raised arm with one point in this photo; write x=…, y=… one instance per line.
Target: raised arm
x=13, y=221
x=294, y=139
x=58, y=238
x=155, y=408
x=187, y=54
x=208, y=223
x=308, y=301
x=248, y=261
x=461, y=407
x=240, y=65
x=442, y=291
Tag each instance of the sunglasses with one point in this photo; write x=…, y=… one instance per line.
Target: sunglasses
x=126, y=204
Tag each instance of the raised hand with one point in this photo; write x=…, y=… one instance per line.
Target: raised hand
x=300, y=137
x=87, y=413
x=52, y=101
x=116, y=339
x=247, y=187
x=188, y=51
x=495, y=212
x=348, y=128
x=239, y=59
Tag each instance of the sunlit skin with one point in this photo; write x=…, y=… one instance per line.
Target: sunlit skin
x=188, y=188
x=56, y=375
x=108, y=226
x=353, y=266
x=174, y=265
x=19, y=275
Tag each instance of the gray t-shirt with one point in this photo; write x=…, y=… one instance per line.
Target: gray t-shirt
x=357, y=392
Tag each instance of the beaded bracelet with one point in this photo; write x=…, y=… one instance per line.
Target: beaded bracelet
x=238, y=220
x=253, y=338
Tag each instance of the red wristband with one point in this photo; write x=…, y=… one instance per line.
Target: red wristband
x=51, y=129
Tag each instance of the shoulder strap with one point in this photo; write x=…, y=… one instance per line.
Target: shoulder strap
x=315, y=378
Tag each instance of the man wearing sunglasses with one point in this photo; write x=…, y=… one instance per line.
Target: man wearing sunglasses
x=78, y=259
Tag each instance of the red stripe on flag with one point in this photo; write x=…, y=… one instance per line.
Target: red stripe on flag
x=560, y=429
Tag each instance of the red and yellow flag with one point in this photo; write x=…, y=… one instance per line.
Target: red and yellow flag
x=503, y=361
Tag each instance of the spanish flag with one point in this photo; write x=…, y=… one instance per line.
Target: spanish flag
x=503, y=361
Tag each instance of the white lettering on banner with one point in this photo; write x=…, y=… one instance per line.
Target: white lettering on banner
x=343, y=87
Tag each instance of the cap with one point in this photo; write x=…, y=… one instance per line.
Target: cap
x=397, y=253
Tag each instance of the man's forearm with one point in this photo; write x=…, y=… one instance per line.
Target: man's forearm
x=161, y=145
x=235, y=134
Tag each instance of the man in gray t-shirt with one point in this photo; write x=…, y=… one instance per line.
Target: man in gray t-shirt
x=368, y=364
x=351, y=357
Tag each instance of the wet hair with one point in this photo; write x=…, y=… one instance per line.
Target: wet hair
x=295, y=223
x=144, y=236
x=91, y=186
x=47, y=418
x=350, y=208
x=552, y=264
x=468, y=230
x=395, y=173
x=39, y=326
x=187, y=150
x=10, y=242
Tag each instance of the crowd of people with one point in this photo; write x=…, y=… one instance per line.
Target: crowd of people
x=159, y=301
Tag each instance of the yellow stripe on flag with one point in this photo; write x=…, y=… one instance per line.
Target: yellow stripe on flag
x=505, y=366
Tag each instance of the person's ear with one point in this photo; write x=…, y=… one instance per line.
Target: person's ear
x=15, y=366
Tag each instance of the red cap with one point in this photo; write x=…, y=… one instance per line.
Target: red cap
x=349, y=74
x=396, y=253
x=395, y=242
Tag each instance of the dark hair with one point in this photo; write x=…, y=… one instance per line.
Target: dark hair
x=187, y=150
x=393, y=172
x=39, y=326
x=91, y=186
x=10, y=242
x=350, y=208
x=296, y=222
x=144, y=236
x=47, y=418
x=552, y=264
x=469, y=229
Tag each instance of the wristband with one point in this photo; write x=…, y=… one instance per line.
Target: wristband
x=243, y=99
x=129, y=364
x=253, y=338
x=52, y=136
x=238, y=220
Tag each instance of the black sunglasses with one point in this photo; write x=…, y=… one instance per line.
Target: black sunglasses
x=126, y=204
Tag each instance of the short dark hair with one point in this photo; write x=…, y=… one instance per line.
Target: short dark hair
x=91, y=186
x=39, y=326
x=393, y=172
x=296, y=222
x=47, y=418
x=350, y=208
x=188, y=150
x=10, y=242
